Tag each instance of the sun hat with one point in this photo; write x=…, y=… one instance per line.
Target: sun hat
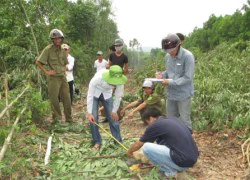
x=147, y=83
x=114, y=76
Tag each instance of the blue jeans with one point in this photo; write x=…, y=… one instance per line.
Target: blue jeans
x=180, y=109
x=160, y=155
x=114, y=125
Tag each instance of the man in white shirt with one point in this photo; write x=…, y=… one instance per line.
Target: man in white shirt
x=100, y=90
x=69, y=70
x=100, y=63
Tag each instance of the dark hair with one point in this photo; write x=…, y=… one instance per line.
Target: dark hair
x=112, y=48
x=181, y=36
x=151, y=112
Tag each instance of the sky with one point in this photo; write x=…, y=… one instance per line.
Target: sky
x=149, y=21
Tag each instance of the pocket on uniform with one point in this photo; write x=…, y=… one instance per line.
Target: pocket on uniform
x=54, y=61
x=179, y=68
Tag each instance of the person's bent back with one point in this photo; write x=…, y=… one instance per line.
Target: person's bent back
x=175, y=150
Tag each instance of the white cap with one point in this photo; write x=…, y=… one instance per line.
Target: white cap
x=147, y=83
x=65, y=46
x=99, y=53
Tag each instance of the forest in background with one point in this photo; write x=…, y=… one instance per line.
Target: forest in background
x=25, y=26
x=88, y=27
x=221, y=48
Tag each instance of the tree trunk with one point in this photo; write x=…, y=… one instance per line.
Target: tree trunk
x=6, y=98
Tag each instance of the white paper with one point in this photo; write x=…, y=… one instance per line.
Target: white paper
x=154, y=79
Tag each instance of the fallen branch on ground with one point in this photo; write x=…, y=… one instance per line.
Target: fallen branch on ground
x=104, y=157
x=245, y=153
x=8, y=139
x=46, y=159
x=7, y=107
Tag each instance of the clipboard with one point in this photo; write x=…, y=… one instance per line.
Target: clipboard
x=154, y=79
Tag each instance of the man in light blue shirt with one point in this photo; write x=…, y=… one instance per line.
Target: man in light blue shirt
x=179, y=79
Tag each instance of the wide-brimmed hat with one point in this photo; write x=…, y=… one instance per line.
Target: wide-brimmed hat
x=114, y=76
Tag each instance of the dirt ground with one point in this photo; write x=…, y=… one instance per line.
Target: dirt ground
x=220, y=152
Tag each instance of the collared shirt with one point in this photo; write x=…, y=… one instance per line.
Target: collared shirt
x=55, y=59
x=98, y=86
x=70, y=66
x=180, y=72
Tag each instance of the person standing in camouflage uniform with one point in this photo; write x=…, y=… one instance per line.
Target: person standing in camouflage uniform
x=55, y=60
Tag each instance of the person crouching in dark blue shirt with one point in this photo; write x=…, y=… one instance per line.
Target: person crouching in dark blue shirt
x=175, y=150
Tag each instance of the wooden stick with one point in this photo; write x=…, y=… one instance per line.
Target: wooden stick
x=103, y=157
x=86, y=171
x=9, y=106
x=242, y=148
x=74, y=140
x=139, y=176
x=8, y=139
x=48, y=151
x=247, y=154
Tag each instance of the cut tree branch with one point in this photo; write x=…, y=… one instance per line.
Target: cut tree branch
x=104, y=157
x=9, y=106
x=8, y=139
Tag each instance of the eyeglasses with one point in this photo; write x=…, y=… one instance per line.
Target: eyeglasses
x=118, y=45
x=66, y=49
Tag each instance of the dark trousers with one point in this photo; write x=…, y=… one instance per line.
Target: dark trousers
x=71, y=90
x=58, y=86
